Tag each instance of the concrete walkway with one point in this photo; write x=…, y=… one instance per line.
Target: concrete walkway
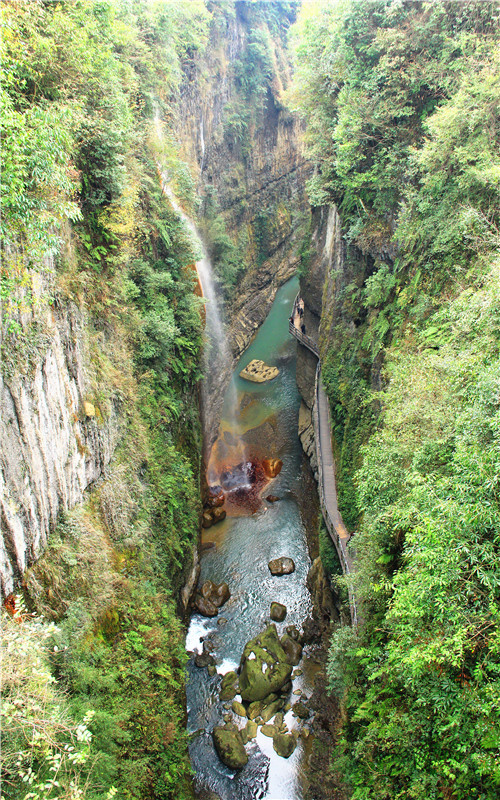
x=326, y=465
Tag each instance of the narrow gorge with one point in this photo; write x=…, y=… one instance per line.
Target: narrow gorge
x=250, y=378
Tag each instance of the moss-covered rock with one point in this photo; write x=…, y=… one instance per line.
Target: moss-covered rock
x=269, y=711
x=300, y=710
x=264, y=667
x=239, y=708
x=229, y=746
x=284, y=744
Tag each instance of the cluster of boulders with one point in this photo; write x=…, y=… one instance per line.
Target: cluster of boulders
x=212, y=508
x=263, y=682
x=210, y=598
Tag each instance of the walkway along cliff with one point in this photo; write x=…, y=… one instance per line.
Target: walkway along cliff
x=325, y=461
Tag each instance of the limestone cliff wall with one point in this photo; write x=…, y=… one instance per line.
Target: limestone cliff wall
x=319, y=288
x=56, y=439
x=255, y=179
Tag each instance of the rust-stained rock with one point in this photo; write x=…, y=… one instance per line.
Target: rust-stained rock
x=272, y=466
x=215, y=497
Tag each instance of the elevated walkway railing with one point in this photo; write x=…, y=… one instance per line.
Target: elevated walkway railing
x=326, y=468
x=294, y=326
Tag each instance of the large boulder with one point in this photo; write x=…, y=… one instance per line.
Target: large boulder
x=264, y=668
x=217, y=594
x=281, y=566
x=259, y=372
x=229, y=746
x=205, y=606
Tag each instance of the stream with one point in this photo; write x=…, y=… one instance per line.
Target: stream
x=258, y=421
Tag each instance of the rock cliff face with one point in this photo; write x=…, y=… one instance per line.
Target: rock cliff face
x=56, y=440
x=245, y=148
x=318, y=290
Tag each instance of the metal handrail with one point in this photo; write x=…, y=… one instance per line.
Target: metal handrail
x=340, y=543
x=302, y=337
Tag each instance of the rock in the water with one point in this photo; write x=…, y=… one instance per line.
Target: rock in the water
x=281, y=566
x=229, y=686
x=284, y=744
x=294, y=632
x=301, y=711
x=269, y=730
x=204, y=606
x=229, y=746
x=251, y=729
x=292, y=649
x=206, y=520
x=204, y=659
x=259, y=372
x=272, y=466
x=218, y=514
x=217, y=594
x=278, y=612
x=264, y=667
x=269, y=711
x=239, y=708
x=272, y=498
x=212, y=670
x=254, y=709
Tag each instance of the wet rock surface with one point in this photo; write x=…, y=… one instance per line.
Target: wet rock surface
x=292, y=648
x=264, y=668
x=229, y=746
x=278, y=612
x=281, y=566
x=284, y=744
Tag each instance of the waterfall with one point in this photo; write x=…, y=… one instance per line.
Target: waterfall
x=202, y=145
x=217, y=357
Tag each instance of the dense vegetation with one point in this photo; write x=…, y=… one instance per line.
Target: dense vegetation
x=401, y=101
x=86, y=226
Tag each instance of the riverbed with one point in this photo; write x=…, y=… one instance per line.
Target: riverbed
x=258, y=420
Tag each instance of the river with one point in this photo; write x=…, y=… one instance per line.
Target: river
x=265, y=424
